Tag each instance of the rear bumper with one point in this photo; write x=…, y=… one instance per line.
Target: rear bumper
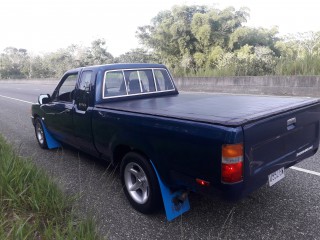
x=232, y=192
x=229, y=192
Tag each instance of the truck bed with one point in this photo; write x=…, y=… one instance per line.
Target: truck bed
x=222, y=109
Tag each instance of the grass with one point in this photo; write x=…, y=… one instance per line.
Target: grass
x=31, y=204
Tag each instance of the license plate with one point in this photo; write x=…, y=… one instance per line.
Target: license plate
x=276, y=176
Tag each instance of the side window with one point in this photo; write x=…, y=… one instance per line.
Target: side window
x=114, y=84
x=163, y=80
x=66, y=90
x=85, y=80
x=82, y=93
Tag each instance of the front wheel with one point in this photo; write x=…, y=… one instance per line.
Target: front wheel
x=41, y=137
x=140, y=183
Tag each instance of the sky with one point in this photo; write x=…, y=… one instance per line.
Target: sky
x=42, y=26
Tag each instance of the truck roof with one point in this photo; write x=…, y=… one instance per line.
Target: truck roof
x=119, y=66
x=222, y=109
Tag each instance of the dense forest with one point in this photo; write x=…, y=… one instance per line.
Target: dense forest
x=191, y=41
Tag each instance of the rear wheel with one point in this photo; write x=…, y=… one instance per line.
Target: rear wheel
x=140, y=183
x=41, y=137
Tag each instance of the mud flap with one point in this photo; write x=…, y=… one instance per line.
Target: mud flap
x=51, y=142
x=174, y=204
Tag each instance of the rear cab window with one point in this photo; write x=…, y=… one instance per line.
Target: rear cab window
x=120, y=83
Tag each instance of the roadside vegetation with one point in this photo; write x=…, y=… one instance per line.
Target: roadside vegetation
x=191, y=41
x=32, y=206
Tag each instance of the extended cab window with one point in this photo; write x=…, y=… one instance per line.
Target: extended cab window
x=163, y=80
x=114, y=84
x=66, y=90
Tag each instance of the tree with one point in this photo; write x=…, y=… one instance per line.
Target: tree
x=14, y=63
x=184, y=36
x=254, y=37
x=98, y=53
x=309, y=42
x=137, y=55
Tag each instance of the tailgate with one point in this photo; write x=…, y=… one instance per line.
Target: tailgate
x=280, y=141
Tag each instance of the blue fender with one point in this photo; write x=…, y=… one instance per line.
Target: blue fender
x=173, y=207
x=51, y=142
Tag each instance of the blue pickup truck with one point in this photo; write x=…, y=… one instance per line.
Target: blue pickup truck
x=133, y=116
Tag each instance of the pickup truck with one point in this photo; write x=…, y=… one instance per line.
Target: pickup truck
x=218, y=144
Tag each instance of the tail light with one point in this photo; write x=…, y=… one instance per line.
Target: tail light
x=232, y=163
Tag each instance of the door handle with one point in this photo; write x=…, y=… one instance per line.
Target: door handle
x=291, y=123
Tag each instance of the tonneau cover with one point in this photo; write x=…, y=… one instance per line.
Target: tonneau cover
x=223, y=109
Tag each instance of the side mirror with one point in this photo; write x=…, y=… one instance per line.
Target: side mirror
x=44, y=99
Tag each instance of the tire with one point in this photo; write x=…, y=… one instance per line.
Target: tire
x=41, y=137
x=140, y=183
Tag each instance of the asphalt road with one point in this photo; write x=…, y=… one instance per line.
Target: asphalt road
x=288, y=210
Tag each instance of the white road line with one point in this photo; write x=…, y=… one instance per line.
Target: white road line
x=305, y=170
x=16, y=99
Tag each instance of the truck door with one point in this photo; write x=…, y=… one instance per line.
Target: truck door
x=82, y=116
x=58, y=113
